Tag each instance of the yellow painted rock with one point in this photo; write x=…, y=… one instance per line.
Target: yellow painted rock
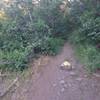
x=66, y=65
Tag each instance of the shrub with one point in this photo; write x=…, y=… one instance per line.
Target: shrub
x=90, y=27
x=87, y=33
x=51, y=46
x=16, y=42
x=89, y=56
x=14, y=60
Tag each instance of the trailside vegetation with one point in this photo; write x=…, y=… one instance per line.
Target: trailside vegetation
x=29, y=28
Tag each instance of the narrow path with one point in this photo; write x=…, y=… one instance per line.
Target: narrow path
x=53, y=83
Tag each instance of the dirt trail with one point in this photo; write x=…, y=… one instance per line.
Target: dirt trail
x=52, y=83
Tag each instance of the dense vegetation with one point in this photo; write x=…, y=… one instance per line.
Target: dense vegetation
x=87, y=35
x=28, y=29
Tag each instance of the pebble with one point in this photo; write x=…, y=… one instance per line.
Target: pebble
x=69, y=85
x=58, y=93
x=96, y=75
x=65, y=85
x=72, y=73
x=62, y=82
x=63, y=89
x=79, y=79
x=54, y=85
x=25, y=90
x=86, y=76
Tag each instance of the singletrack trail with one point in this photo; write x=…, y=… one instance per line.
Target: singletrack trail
x=52, y=83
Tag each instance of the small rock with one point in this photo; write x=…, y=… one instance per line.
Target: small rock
x=65, y=85
x=63, y=89
x=62, y=82
x=79, y=79
x=93, y=85
x=69, y=85
x=72, y=73
x=58, y=93
x=25, y=90
x=96, y=75
x=85, y=76
x=54, y=85
x=73, y=67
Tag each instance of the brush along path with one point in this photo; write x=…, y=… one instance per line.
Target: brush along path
x=50, y=82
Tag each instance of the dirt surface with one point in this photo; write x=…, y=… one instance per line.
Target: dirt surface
x=48, y=82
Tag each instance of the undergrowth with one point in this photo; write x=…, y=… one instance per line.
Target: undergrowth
x=88, y=55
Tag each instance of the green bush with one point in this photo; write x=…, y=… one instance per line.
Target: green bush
x=16, y=42
x=51, y=46
x=89, y=56
x=76, y=38
x=14, y=60
x=87, y=33
x=90, y=29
